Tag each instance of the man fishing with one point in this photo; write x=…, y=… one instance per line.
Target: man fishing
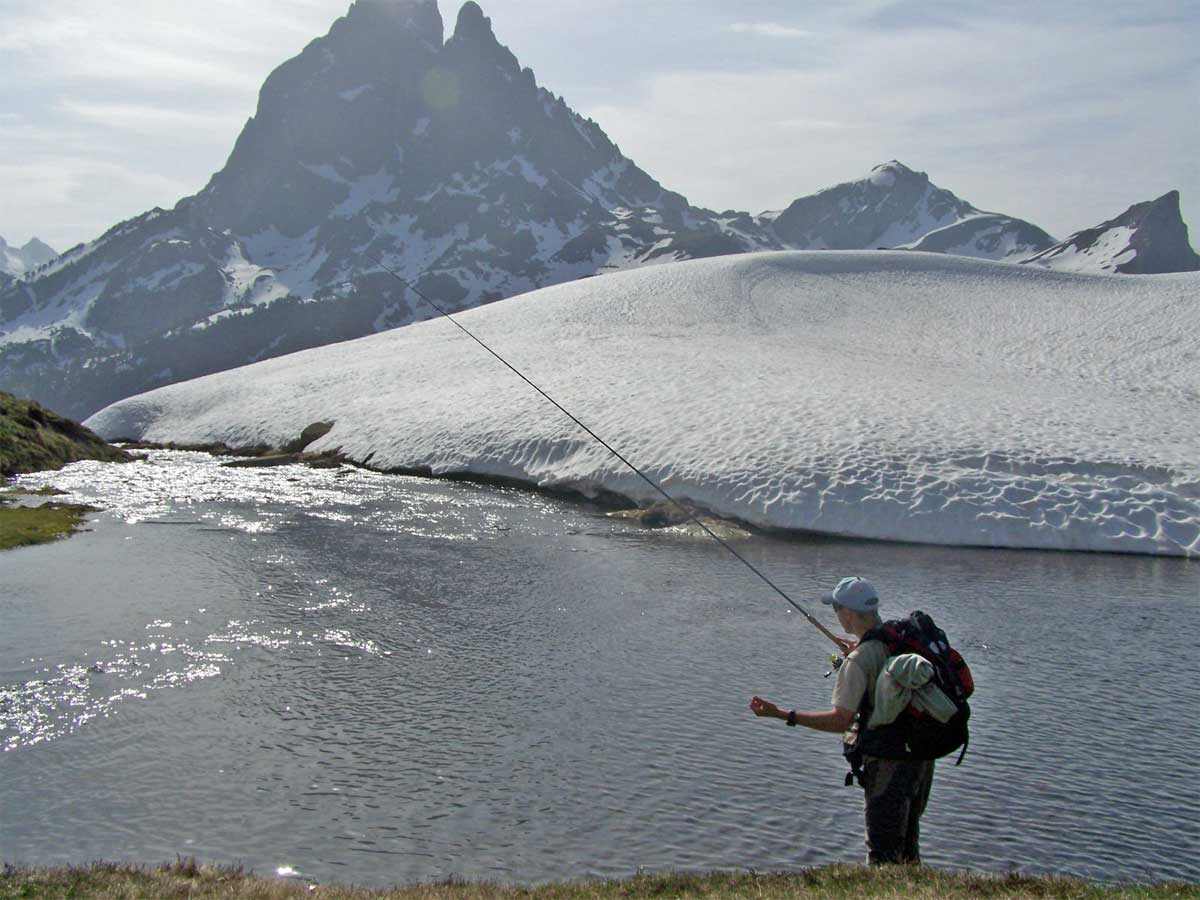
x=895, y=790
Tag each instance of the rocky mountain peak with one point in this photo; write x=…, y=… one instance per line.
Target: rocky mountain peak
x=889, y=173
x=419, y=16
x=473, y=24
x=1147, y=239
x=338, y=110
x=891, y=206
x=38, y=248
x=474, y=45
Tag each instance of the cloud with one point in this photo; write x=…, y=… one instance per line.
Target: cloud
x=1066, y=123
x=68, y=198
x=149, y=119
x=814, y=125
x=769, y=30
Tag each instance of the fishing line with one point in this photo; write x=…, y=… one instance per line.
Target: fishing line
x=603, y=443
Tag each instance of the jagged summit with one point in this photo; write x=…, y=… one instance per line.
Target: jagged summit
x=341, y=108
x=474, y=44
x=421, y=15
x=891, y=206
x=472, y=23
x=883, y=175
x=1148, y=238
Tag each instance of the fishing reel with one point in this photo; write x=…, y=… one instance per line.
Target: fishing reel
x=835, y=663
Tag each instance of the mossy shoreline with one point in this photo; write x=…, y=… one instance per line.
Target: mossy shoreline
x=34, y=439
x=24, y=526
x=186, y=878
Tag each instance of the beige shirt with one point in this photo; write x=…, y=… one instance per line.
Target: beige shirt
x=858, y=674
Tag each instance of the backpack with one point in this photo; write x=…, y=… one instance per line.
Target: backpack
x=915, y=735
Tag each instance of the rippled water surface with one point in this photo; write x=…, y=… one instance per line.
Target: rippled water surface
x=379, y=679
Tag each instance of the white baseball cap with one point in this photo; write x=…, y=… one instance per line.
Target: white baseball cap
x=854, y=593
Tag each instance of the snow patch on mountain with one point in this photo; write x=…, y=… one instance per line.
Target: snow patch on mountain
x=882, y=176
x=378, y=188
x=353, y=94
x=985, y=236
x=1108, y=251
x=745, y=384
x=924, y=217
x=69, y=310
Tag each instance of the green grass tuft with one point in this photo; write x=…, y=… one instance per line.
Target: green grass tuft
x=34, y=439
x=188, y=879
x=24, y=526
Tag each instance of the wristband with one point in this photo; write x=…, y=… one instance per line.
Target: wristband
x=791, y=719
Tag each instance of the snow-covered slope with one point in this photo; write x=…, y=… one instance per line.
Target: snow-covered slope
x=985, y=236
x=898, y=395
x=1146, y=239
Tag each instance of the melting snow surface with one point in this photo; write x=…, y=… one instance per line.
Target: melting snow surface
x=901, y=396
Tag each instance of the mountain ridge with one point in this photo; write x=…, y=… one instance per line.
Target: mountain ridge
x=383, y=143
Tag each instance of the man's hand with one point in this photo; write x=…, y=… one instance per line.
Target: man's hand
x=847, y=645
x=761, y=707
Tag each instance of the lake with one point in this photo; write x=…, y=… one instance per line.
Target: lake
x=382, y=679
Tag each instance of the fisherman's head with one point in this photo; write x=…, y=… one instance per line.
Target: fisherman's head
x=856, y=603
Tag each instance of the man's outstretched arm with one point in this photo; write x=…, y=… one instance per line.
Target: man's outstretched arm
x=835, y=720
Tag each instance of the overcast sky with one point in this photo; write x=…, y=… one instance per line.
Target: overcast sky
x=1062, y=113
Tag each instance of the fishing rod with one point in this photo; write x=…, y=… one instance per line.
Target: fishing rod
x=841, y=645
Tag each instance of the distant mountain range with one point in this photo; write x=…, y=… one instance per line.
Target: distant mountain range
x=382, y=143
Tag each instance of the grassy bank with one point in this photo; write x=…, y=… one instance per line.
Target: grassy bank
x=188, y=880
x=34, y=439
x=23, y=526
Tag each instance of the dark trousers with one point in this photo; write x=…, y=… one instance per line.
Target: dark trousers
x=895, y=793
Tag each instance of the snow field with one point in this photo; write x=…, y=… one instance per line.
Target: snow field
x=889, y=395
